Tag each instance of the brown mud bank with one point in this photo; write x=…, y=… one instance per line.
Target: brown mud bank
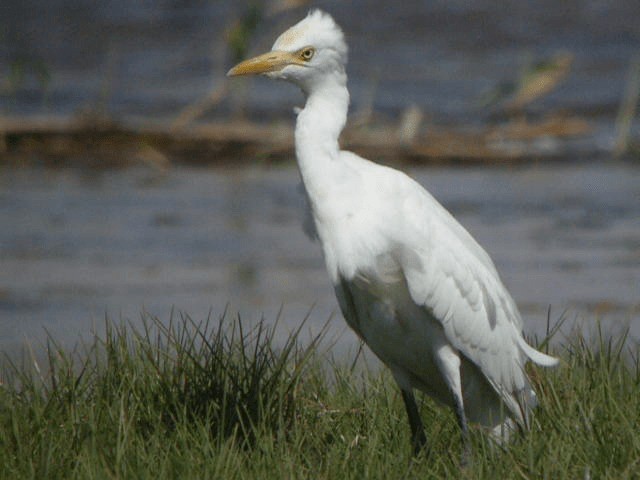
x=66, y=141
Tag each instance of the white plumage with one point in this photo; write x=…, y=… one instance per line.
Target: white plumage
x=410, y=280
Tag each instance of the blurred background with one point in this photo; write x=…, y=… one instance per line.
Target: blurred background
x=134, y=177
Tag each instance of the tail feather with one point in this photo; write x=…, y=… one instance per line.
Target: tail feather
x=536, y=356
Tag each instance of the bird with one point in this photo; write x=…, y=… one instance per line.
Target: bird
x=410, y=280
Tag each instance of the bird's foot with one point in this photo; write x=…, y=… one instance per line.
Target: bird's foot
x=419, y=443
x=466, y=457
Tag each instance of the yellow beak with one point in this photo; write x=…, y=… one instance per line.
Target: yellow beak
x=267, y=62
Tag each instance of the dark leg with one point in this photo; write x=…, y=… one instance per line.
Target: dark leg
x=418, y=438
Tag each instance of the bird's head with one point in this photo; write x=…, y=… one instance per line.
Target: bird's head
x=307, y=54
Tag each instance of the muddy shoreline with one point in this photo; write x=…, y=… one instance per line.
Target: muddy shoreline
x=67, y=141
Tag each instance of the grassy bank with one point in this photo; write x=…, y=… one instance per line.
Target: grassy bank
x=214, y=400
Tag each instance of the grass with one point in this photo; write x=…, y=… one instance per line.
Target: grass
x=216, y=400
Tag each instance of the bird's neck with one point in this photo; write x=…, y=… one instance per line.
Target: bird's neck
x=317, y=130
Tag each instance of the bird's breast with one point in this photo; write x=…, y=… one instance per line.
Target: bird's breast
x=352, y=244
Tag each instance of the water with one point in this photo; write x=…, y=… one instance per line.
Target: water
x=152, y=58
x=76, y=244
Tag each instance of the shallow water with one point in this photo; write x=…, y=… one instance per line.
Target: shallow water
x=76, y=245
x=153, y=58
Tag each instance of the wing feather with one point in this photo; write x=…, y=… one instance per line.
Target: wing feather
x=453, y=278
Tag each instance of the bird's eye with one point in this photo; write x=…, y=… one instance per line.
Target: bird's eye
x=307, y=54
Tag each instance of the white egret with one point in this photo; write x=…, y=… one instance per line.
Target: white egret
x=410, y=280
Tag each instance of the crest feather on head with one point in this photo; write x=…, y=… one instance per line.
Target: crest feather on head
x=317, y=29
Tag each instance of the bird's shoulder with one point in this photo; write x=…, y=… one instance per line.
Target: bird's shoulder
x=415, y=214
x=384, y=183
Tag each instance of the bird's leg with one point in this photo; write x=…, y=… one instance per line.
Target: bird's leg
x=449, y=363
x=418, y=437
x=464, y=428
